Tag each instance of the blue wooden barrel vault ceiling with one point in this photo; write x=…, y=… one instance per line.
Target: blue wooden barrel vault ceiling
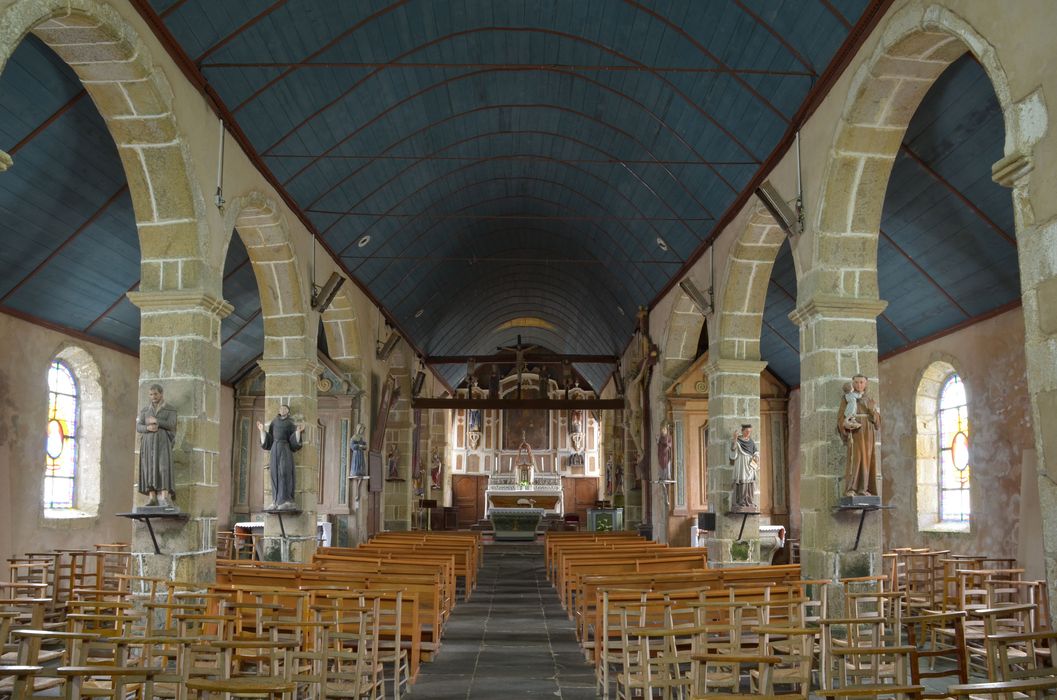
x=491, y=168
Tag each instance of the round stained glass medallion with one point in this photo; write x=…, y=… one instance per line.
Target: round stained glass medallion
x=56, y=438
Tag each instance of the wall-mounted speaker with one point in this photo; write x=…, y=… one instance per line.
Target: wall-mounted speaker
x=706, y=521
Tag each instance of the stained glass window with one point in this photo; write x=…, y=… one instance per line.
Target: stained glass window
x=954, y=458
x=60, y=447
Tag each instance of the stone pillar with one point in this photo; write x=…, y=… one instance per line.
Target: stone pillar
x=1038, y=280
x=838, y=339
x=733, y=399
x=398, y=431
x=293, y=382
x=180, y=349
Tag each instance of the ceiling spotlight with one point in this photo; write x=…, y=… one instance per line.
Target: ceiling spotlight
x=661, y=243
x=419, y=313
x=620, y=309
x=364, y=240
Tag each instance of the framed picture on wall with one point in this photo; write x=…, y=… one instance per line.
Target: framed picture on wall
x=533, y=424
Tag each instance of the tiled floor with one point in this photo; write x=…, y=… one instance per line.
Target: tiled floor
x=512, y=640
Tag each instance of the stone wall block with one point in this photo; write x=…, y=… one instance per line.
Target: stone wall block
x=146, y=96
x=174, y=240
x=914, y=68
x=172, y=194
x=287, y=326
x=153, y=129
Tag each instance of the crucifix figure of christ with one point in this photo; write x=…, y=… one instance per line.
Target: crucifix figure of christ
x=519, y=351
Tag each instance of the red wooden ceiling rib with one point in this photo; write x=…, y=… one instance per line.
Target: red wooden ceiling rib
x=110, y=308
x=927, y=276
x=628, y=135
x=858, y=34
x=604, y=233
x=498, y=232
x=195, y=77
x=419, y=279
x=711, y=56
x=323, y=49
x=69, y=239
x=953, y=329
x=466, y=282
x=588, y=161
x=489, y=134
x=517, y=68
x=243, y=327
x=836, y=13
x=958, y=193
x=502, y=217
x=173, y=8
x=453, y=79
x=779, y=335
x=393, y=235
x=529, y=359
x=781, y=39
x=882, y=315
x=596, y=330
x=239, y=30
x=547, y=159
x=47, y=122
x=72, y=332
x=598, y=205
x=589, y=67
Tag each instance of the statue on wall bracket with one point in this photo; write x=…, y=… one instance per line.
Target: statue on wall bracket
x=858, y=422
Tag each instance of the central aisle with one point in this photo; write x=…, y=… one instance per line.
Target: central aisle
x=512, y=640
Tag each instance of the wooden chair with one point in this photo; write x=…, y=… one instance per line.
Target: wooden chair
x=650, y=660
x=794, y=649
x=1005, y=621
x=921, y=635
x=272, y=688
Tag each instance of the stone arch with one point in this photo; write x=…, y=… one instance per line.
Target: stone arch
x=926, y=401
x=285, y=307
x=136, y=102
x=917, y=45
x=748, y=272
x=342, y=327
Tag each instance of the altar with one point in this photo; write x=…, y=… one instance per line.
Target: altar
x=516, y=523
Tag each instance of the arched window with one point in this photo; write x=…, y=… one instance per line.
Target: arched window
x=74, y=436
x=60, y=450
x=954, y=463
x=943, y=449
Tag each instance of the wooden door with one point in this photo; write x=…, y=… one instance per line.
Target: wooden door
x=468, y=498
x=579, y=494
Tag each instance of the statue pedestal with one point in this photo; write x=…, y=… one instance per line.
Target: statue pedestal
x=859, y=502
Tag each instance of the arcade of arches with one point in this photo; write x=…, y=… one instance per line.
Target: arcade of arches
x=917, y=263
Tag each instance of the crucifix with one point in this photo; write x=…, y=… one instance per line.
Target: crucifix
x=519, y=351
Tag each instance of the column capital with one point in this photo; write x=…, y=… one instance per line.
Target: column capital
x=6, y=161
x=180, y=300
x=839, y=307
x=1011, y=169
x=292, y=365
x=722, y=365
